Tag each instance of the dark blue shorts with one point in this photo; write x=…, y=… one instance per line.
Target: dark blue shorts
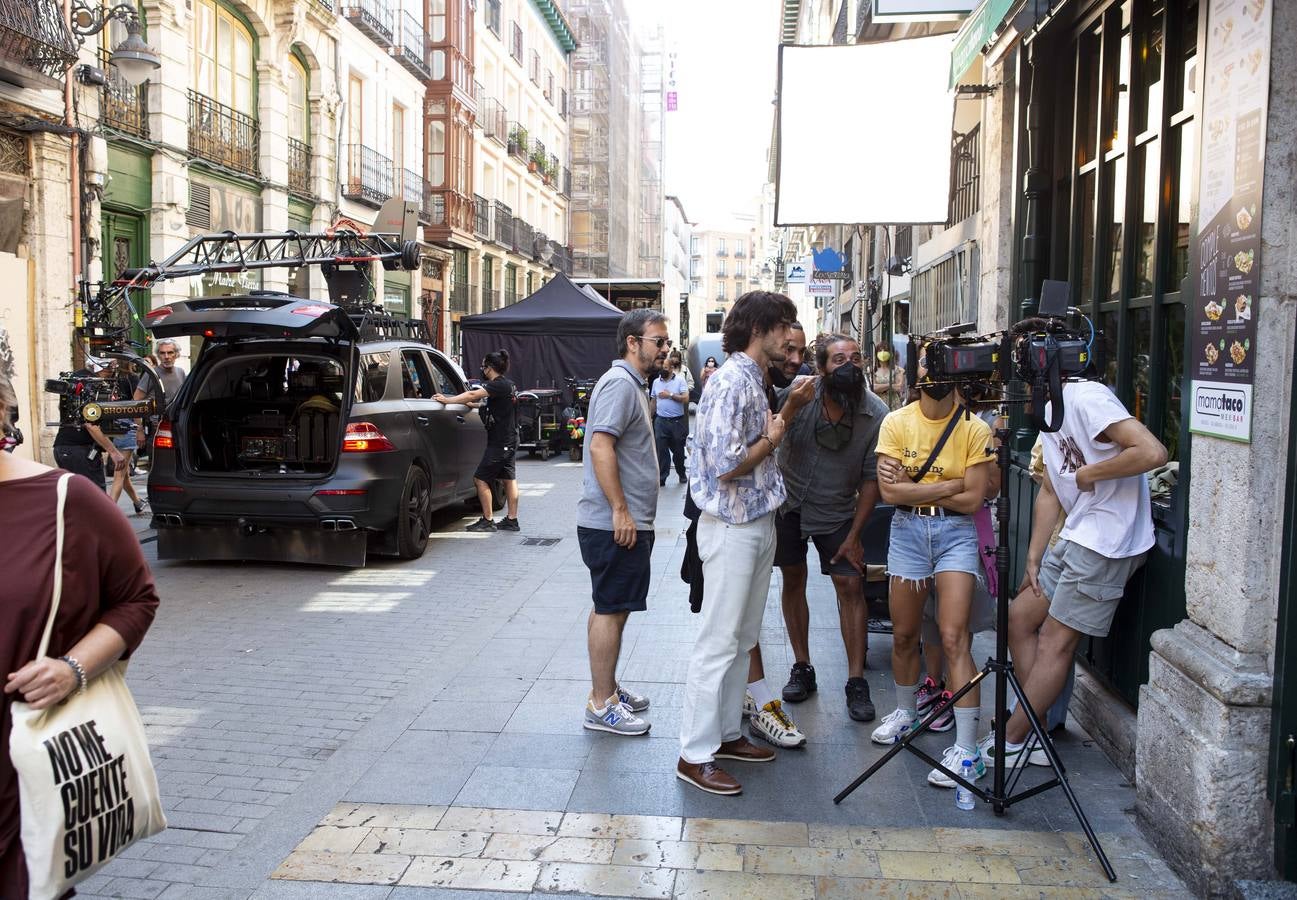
x=619, y=578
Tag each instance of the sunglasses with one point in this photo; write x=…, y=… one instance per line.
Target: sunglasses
x=659, y=342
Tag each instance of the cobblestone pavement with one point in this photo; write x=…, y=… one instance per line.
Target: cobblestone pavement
x=425, y=709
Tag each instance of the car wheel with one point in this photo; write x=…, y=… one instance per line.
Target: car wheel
x=415, y=516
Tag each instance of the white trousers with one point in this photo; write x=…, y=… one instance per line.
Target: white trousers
x=736, y=579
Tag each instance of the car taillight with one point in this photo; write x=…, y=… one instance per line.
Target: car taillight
x=313, y=311
x=364, y=437
x=155, y=316
x=164, y=440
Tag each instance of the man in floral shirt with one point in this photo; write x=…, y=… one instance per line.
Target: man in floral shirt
x=735, y=480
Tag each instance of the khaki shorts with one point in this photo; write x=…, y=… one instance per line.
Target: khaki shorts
x=1084, y=587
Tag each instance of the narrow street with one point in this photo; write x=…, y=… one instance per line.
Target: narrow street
x=414, y=730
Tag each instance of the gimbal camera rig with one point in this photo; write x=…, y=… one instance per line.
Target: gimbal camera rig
x=106, y=316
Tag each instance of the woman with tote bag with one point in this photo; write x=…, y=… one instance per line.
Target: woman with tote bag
x=71, y=741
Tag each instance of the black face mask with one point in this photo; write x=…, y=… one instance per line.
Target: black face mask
x=846, y=383
x=778, y=378
x=937, y=391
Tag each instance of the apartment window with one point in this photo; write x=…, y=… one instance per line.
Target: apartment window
x=720, y=290
x=515, y=45
x=398, y=141
x=738, y=270
x=720, y=269
x=720, y=247
x=355, y=111
x=562, y=103
x=223, y=56
x=437, y=153
x=534, y=70
x=493, y=16
x=299, y=113
x=549, y=87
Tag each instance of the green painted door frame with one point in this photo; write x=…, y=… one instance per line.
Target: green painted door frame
x=1282, y=787
x=126, y=246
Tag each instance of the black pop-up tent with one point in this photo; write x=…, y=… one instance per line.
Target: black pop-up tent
x=558, y=331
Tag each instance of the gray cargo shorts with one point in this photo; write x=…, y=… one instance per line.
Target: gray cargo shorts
x=1084, y=587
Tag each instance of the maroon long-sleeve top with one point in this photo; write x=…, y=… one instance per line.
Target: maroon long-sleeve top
x=105, y=580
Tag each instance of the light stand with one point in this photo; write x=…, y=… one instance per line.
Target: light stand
x=1001, y=795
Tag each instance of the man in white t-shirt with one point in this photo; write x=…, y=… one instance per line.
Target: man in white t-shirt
x=1095, y=474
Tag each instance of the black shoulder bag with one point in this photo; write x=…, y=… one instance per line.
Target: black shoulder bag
x=941, y=442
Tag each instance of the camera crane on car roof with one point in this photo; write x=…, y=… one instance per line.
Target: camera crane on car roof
x=344, y=252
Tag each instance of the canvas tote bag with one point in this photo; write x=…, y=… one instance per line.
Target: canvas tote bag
x=86, y=785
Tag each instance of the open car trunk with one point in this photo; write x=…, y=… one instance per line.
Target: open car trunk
x=276, y=413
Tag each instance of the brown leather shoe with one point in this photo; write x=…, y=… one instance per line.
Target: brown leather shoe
x=708, y=777
x=744, y=750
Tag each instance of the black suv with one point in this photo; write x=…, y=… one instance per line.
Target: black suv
x=297, y=439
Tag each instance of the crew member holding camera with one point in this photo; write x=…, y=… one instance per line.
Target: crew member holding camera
x=1095, y=468
x=944, y=451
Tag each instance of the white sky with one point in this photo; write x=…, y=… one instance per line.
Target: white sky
x=716, y=141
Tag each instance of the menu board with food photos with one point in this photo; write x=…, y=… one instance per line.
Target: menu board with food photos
x=1222, y=323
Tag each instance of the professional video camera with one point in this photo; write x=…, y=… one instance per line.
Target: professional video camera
x=1040, y=353
x=105, y=400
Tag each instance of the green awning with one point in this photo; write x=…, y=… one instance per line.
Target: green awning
x=557, y=23
x=976, y=33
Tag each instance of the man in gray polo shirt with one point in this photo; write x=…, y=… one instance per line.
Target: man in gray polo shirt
x=829, y=463
x=614, y=517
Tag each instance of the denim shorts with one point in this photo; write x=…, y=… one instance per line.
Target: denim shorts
x=922, y=546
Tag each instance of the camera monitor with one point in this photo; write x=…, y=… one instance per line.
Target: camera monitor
x=1054, y=296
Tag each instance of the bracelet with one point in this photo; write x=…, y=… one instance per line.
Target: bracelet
x=773, y=445
x=76, y=670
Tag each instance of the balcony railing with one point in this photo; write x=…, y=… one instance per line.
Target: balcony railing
x=493, y=16
x=539, y=245
x=326, y=6
x=414, y=46
x=223, y=135
x=412, y=192
x=459, y=293
x=965, y=177
x=494, y=120
x=122, y=106
x=373, y=17
x=721, y=251
x=299, y=168
x=35, y=34
x=565, y=181
x=538, y=158
x=523, y=236
x=739, y=253
x=490, y=299
x=503, y=234
x=368, y=177
x=518, y=145
x=482, y=217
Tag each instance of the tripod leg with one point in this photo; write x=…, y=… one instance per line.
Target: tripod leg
x=1042, y=735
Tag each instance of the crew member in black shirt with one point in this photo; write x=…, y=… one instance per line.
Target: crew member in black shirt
x=79, y=448
x=500, y=417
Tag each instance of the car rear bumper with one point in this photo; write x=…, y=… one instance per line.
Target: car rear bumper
x=313, y=546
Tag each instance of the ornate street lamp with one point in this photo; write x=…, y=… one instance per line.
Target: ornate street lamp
x=134, y=59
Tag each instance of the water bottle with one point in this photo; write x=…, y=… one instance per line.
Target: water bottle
x=963, y=796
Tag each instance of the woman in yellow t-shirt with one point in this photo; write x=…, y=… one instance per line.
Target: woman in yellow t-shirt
x=933, y=539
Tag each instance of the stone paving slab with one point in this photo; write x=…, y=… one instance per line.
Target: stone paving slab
x=662, y=856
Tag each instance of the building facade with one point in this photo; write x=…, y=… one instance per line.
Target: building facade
x=616, y=122
x=1078, y=156
x=678, y=302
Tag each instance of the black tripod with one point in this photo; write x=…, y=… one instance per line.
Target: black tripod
x=1001, y=795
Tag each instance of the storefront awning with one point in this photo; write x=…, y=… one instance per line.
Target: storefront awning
x=976, y=33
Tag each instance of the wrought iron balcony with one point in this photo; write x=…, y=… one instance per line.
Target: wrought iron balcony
x=482, y=217
x=373, y=17
x=459, y=293
x=299, y=168
x=539, y=246
x=523, y=236
x=368, y=178
x=122, y=106
x=326, y=6
x=494, y=120
x=223, y=135
x=35, y=36
x=503, y=225
x=518, y=143
x=965, y=177
x=414, y=47
x=412, y=192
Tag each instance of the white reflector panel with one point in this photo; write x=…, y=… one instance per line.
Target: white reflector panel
x=865, y=133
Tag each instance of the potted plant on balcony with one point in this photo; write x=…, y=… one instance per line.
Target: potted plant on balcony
x=518, y=140
x=537, y=162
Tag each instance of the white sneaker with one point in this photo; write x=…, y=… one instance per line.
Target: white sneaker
x=773, y=724
x=1014, y=758
x=894, y=727
x=749, y=705
x=954, y=761
x=1037, y=756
